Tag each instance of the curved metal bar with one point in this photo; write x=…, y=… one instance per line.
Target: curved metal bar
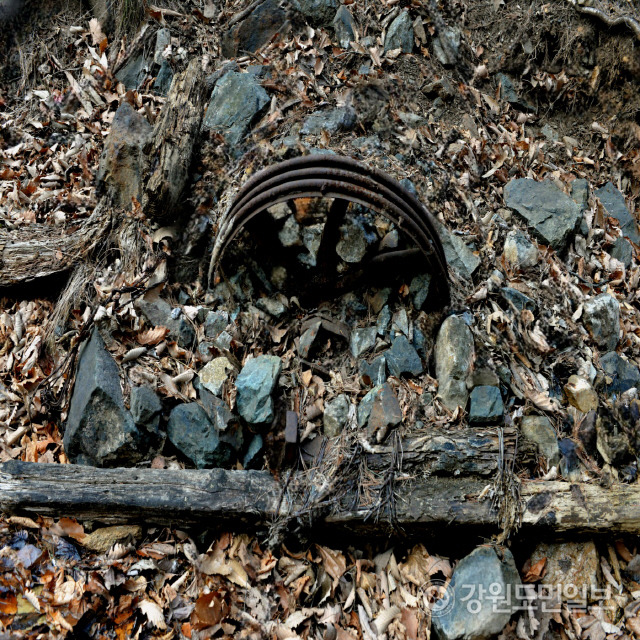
x=329, y=176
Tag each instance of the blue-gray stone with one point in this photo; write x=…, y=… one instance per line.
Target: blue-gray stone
x=374, y=372
x=133, y=73
x=258, y=28
x=601, y=317
x=362, y=340
x=446, y=45
x=236, y=101
x=366, y=404
x=459, y=256
x=146, y=408
x=331, y=121
x=317, y=12
x=552, y=215
x=194, y=435
x=517, y=299
x=419, y=289
x=613, y=201
x=252, y=458
x=509, y=94
x=400, y=34
x=467, y=612
x=164, y=78
x=624, y=374
x=400, y=322
x=99, y=430
x=539, y=430
x=384, y=318
x=215, y=323
x=485, y=406
x=159, y=313
x=335, y=416
x=403, y=358
x=580, y=192
x=622, y=251
x=255, y=384
x=385, y=413
x=344, y=27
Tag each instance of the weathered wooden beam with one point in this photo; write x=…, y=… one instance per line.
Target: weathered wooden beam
x=248, y=498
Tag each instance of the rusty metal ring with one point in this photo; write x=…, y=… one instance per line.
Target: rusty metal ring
x=342, y=178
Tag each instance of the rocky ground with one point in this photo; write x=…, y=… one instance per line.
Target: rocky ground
x=516, y=126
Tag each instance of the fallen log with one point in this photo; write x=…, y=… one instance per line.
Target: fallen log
x=218, y=497
x=40, y=250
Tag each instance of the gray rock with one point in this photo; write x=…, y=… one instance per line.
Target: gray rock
x=362, y=340
x=400, y=34
x=214, y=374
x=159, y=313
x=308, y=338
x=509, y=93
x=454, y=355
x=580, y=192
x=336, y=414
x=123, y=157
x=459, y=256
x=236, y=101
x=318, y=12
x=624, y=374
x=163, y=38
x=258, y=28
x=483, y=377
x=403, y=358
x=384, y=318
x=447, y=45
x=352, y=245
x=601, y=317
x=192, y=433
x=289, y=235
x=164, y=79
x=252, y=459
x=99, y=430
x=311, y=239
x=400, y=322
x=146, y=408
x=539, y=430
x=622, y=251
x=273, y=307
x=552, y=215
x=517, y=299
x=344, y=27
x=384, y=414
x=331, y=121
x=419, y=289
x=133, y=73
x=216, y=409
x=486, y=406
x=613, y=201
x=215, y=323
x=518, y=251
x=549, y=133
x=374, y=372
x=366, y=404
x=470, y=616
x=255, y=384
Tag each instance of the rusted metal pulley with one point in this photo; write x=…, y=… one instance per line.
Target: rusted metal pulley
x=345, y=181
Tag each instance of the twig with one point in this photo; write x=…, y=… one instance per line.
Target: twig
x=610, y=21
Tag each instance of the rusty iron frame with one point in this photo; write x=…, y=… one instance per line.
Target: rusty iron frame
x=342, y=178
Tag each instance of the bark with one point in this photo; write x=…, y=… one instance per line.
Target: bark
x=175, y=136
x=250, y=498
x=42, y=250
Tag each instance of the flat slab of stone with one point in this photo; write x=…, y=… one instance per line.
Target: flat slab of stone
x=550, y=213
x=255, y=384
x=613, y=201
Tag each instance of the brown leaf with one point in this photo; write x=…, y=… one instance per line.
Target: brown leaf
x=210, y=610
x=333, y=561
x=8, y=603
x=153, y=336
x=536, y=572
